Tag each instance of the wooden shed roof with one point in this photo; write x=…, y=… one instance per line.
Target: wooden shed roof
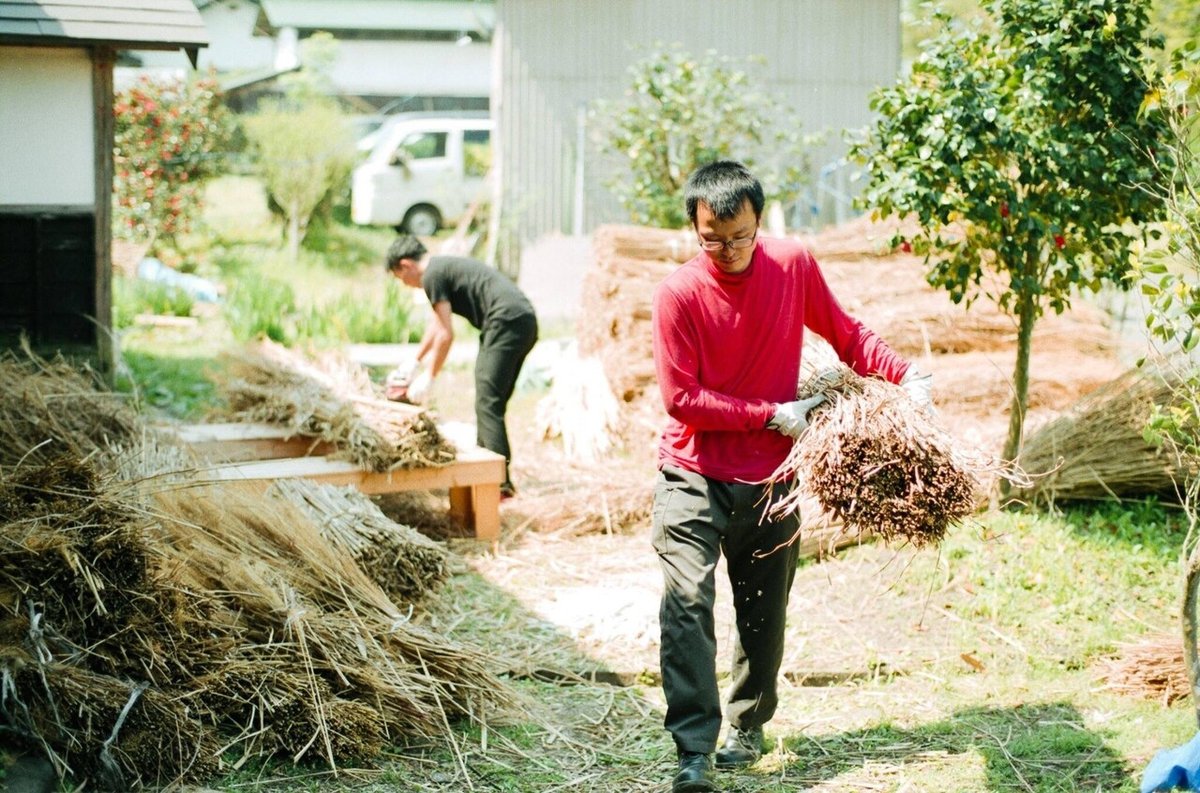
x=123, y=24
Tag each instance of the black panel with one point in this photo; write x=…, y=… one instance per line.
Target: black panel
x=47, y=278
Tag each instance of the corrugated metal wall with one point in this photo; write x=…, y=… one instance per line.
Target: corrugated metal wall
x=553, y=57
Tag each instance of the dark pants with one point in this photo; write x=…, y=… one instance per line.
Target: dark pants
x=503, y=346
x=696, y=519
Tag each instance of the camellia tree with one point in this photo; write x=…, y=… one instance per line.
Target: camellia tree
x=682, y=111
x=1016, y=147
x=167, y=139
x=1169, y=276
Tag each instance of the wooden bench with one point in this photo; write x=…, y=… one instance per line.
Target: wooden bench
x=262, y=452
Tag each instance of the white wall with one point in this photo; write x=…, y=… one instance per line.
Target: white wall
x=420, y=68
x=417, y=68
x=47, y=153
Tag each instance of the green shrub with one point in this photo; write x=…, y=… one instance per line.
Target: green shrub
x=259, y=306
x=388, y=320
x=133, y=296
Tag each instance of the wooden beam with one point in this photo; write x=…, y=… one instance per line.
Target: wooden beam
x=103, y=59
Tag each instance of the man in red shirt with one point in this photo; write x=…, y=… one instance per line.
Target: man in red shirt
x=728, y=330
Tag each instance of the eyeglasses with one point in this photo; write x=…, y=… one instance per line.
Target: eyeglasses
x=740, y=243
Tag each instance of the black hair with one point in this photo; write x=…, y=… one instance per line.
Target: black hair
x=405, y=246
x=724, y=185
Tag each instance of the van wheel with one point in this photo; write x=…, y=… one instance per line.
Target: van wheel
x=422, y=221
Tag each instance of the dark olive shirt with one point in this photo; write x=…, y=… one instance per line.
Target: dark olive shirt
x=475, y=291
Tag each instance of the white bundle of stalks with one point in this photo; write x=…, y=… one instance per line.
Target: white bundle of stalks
x=876, y=461
x=580, y=408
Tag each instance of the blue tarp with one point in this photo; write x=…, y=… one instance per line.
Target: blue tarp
x=1174, y=769
x=202, y=289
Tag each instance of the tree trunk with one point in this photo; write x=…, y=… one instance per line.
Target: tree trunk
x=1016, y=417
x=293, y=231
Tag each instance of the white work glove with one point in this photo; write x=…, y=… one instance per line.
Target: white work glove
x=919, y=388
x=396, y=384
x=418, y=389
x=791, y=418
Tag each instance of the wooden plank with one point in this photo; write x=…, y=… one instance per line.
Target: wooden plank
x=244, y=441
x=472, y=467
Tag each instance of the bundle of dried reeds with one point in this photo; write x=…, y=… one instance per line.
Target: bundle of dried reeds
x=421, y=510
x=326, y=396
x=82, y=613
x=96, y=727
x=878, y=463
x=580, y=408
x=1098, y=449
x=294, y=592
x=1152, y=668
x=645, y=242
x=52, y=408
x=405, y=563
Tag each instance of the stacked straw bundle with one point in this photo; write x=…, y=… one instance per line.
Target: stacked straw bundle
x=49, y=409
x=405, y=563
x=1153, y=668
x=618, y=295
x=580, y=408
x=149, y=623
x=329, y=397
x=876, y=462
x=1098, y=449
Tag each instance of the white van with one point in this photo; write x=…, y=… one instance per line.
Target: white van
x=423, y=171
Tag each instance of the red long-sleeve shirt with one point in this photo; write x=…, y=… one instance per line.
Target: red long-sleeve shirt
x=727, y=350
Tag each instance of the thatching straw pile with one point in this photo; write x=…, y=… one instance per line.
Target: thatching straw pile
x=329, y=397
x=420, y=510
x=82, y=617
x=875, y=461
x=618, y=291
x=306, y=608
x=50, y=408
x=152, y=627
x=405, y=563
x=580, y=408
x=1153, y=668
x=1098, y=449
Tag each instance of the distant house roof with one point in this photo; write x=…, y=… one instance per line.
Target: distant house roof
x=131, y=24
x=381, y=15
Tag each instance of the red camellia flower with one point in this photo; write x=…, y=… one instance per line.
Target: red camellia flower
x=906, y=246
x=1059, y=241
x=1004, y=210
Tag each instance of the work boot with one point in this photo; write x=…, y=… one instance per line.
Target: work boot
x=742, y=747
x=695, y=774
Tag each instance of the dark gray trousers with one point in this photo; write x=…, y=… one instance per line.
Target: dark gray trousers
x=503, y=347
x=696, y=519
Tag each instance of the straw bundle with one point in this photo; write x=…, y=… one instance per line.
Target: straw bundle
x=1099, y=450
x=580, y=408
x=404, y=562
x=120, y=735
x=860, y=237
x=420, y=510
x=876, y=462
x=51, y=408
x=326, y=396
x=146, y=620
x=1152, y=668
x=82, y=613
x=618, y=293
x=292, y=590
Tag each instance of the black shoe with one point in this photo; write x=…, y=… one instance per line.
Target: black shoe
x=742, y=747
x=695, y=774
